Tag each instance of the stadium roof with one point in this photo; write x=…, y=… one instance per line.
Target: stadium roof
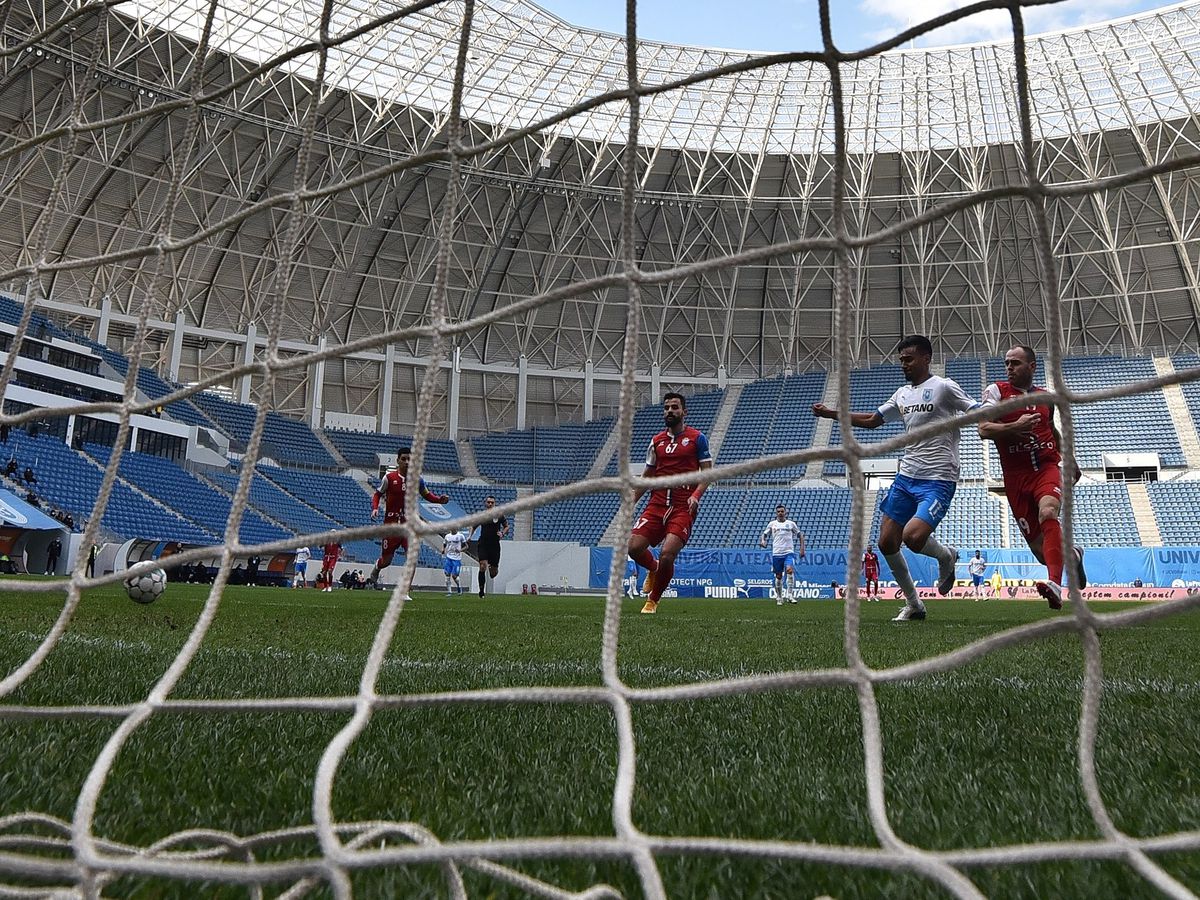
x=724, y=167
x=526, y=65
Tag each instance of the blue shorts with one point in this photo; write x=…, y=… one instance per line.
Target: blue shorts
x=452, y=566
x=780, y=563
x=920, y=498
x=977, y=580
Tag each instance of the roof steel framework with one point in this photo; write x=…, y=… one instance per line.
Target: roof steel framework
x=738, y=162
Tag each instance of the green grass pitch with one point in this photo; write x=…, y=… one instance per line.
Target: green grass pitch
x=981, y=756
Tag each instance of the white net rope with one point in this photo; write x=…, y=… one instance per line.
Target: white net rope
x=72, y=855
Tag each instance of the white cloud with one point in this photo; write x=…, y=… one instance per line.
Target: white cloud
x=894, y=16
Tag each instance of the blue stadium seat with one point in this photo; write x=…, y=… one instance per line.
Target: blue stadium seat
x=187, y=495
x=1175, y=505
x=362, y=448
x=582, y=519
x=69, y=481
x=773, y=416
x=869, y=389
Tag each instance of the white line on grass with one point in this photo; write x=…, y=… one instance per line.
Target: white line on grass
x=548, y=669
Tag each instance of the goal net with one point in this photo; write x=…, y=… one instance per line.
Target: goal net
x=227, y=47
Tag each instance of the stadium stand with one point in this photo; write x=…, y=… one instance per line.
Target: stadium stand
x=150, y=384
x=736, y=518
x=235, y=419
x=583, y=519
x=188, y=496
x=1191, y=389
x=284, y=440
x=823, y=515
x=719, y=516
x=339, y=497
x=869, y=389
x=431, y=558
x=293, y=442
x=773, y=416
x=40, y=326
x=274, y=502
x=566, y=453
x=540, y=456
x=362, y=448
x=975, y=520
x=471, y=496
x=69, y=481
x=1176, y=507
x=506, y=458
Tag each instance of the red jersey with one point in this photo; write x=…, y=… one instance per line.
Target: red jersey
x=332, y=552
x=1031, y=452
x=393, y=488
x=671, y=454
x=870, y=566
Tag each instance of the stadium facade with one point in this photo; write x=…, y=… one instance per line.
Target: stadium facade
x=725, y=166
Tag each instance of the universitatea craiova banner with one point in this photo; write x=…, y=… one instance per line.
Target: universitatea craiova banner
x=746, y=573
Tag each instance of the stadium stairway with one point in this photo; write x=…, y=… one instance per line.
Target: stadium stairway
x=607, y=451
x=870, y=504
x=1143, y=514
x=720, y=426
x=523, y=521
x=331, y=448
x=824, y=429
x=466, y=458
x=221, y=489
x=1180, y=416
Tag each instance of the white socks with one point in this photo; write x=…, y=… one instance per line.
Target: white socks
x=900, y=572
x=936, y=550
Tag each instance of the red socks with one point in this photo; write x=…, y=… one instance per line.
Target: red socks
x=1052, y=549
x=662, y=578
x=646, y=560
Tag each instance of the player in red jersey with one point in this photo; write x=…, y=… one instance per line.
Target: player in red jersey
x=331, y=551
x=1027, y=442
x=669, y=515
x=870, y=563
x=392, y=490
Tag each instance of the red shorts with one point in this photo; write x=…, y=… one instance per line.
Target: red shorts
x=394, y=542
x=871, y=574
x=328, y=563
x=1024, y=490
x=659, y=520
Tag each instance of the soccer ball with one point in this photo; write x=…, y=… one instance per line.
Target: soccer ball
x=147, y=586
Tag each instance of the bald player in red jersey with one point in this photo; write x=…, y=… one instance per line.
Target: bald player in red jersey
x=1028, y=443
x=392, y=490
x=669, y=515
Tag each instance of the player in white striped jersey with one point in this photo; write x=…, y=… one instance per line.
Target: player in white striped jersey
x=784, y=534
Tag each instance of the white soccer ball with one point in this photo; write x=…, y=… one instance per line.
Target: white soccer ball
x=146, y=587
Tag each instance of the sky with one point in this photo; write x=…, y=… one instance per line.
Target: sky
x=790, y=25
